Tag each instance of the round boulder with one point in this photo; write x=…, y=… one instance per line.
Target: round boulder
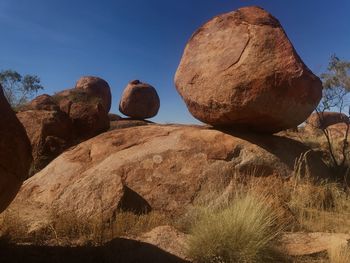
x=15, y=153
x=96, y=87
x=240, y=70
x=139, y=101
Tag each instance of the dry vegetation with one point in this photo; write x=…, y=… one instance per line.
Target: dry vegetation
x=265, y=205
x=69, y=230
x=238, y=221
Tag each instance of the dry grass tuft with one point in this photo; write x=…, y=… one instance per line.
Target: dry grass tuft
x=339, y=254
x=244, y=230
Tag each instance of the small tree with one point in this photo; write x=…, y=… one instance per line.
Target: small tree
x=336, y=87
x=19, y=89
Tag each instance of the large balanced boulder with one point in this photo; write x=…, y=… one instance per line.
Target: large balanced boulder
x=322, y=120
x=139, y=100
x=159, y=167
x=240, y=70
x=15, y=153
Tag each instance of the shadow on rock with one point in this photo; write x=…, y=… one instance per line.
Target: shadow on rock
x=118, y=250
x=287, y=150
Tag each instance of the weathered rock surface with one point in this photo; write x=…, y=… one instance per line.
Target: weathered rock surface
x=139, y=100
x=49, y=131
x=323, y=120
x=96, y=87
x=301, y=244
x=165, y=166
x=15, y=153
x=240, y=70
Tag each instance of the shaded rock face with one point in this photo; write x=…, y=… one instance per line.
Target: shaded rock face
x=163, y=244
x=96, y=87
x=158, y=167
x=15, y=153
x=50, y=133
x=88, y=120
x=240, y=70
x=139, y=101
x=323, y=120
x=88, y=111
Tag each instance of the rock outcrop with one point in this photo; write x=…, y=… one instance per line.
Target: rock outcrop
x=159, y=167
x=54, y=123
x=139, y=100
x=322, y=120
x=15, y=153
x=240, y=70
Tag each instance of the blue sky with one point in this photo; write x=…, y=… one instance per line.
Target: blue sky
x=121, y=40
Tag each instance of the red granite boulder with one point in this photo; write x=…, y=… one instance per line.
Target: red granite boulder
x=240, y=70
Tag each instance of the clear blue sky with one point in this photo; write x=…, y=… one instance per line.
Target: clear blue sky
x=121, y=40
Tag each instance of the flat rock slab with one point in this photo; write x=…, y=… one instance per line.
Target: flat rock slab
x=302, y=244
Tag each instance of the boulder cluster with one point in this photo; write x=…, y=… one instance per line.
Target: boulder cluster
x=48, y=125
x=55, y=123
x=240, y=70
